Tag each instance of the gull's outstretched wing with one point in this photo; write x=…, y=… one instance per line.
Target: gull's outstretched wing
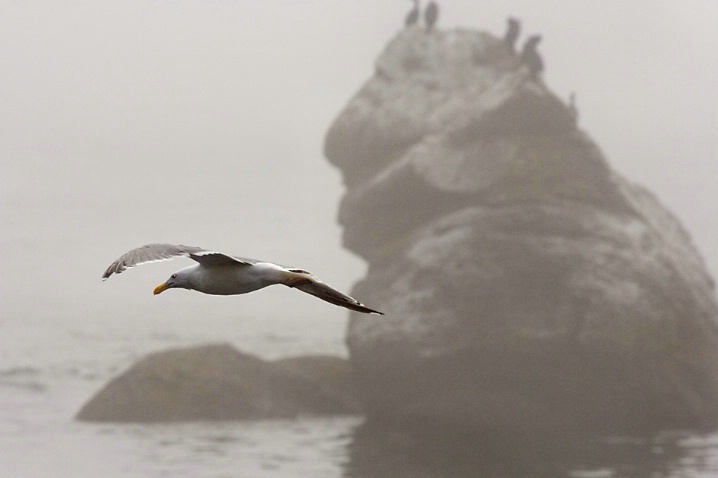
x=321, y=290
x=213, y=258
x=163, y=252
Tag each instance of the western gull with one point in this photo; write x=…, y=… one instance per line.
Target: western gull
x=221, y=274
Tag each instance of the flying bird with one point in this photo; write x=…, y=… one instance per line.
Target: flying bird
x=217, y=273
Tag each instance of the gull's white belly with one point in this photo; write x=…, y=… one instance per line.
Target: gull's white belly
x=230, y=279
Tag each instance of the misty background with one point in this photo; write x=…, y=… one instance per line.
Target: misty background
x=202, y=122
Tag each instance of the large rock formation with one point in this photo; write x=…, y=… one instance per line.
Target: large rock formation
x=217, y=382
x=527, y=287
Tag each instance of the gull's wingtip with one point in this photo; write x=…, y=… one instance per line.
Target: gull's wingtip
x=359, y=307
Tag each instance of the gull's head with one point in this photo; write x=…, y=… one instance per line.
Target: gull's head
x=178, y=279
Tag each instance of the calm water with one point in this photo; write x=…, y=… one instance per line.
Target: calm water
x=45, y=379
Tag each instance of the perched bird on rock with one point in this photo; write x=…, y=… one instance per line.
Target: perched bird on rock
x=431, y=15
x=512, y=33
x=221, y=274
x=530, y=56
x=413, y=16
x=572, y=108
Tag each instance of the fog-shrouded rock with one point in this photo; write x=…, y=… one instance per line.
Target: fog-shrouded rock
x=217, y=382
x=527, y=286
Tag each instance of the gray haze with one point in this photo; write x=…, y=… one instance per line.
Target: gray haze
x=202, y=122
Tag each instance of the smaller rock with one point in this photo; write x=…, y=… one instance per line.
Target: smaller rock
x=217, y=382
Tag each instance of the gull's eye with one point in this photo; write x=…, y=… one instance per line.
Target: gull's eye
x=174, y=276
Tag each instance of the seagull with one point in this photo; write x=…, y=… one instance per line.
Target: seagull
x=431, y=14
x=413, y=16
x=512, y=33
x=217, y=273
x=531, y=57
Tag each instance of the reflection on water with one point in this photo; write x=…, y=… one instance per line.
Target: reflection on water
x=333, y=447
x=375, y=453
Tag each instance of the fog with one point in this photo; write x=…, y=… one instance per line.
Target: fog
x=202, y=123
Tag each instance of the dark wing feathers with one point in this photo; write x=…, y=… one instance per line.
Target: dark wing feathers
x=163, y=252
x=323, y=291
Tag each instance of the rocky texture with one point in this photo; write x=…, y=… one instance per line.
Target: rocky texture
x=217, y=382
x=527, y=286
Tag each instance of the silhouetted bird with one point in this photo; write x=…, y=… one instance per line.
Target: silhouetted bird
x=530, y=56
x=431, y=15
x=413, y=16
x=512, y=33
x=572, y=108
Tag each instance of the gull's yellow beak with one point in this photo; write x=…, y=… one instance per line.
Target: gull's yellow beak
x=161, y=288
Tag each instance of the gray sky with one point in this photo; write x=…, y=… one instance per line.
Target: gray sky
x=202, y=122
